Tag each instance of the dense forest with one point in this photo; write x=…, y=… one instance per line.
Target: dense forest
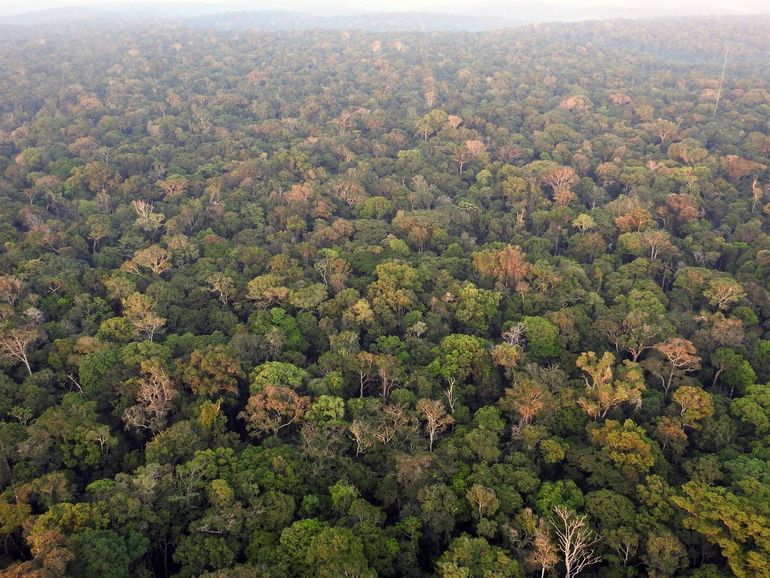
x=332, y=304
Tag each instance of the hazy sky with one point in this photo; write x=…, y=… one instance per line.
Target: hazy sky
x=681, y=6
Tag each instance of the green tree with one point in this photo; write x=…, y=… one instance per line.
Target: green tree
x=736, y=523
x=476, y=558
x=542, y=338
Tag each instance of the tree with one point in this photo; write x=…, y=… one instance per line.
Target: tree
x=723, y=292
x=146, y=217
x=682, y=358
x=222, y=285
x=562, y=493
x=459, y=357
x=508, y=357
x=15, y=343
x=266, y=290
x=438, y=508
x=636, y=323
x=636, y=219
x=658, y=243
x=139, y=311
x=735, y=371
x=695, y=403
x=436, y=418
x=390, y=371
x=273, y=408
x=663, y=130
x=52, y=553
x=212, y=371
x=603, y=392
x=99, y=227
x=528, y=399
x=347, y=190
x=155, y=258
x=308, y=298
x=394, y=292
x=669, y=431
x=688, y=151
x=365, y=368
x=507, y=266
x=483, y=500
x=544, y=555
x=174, y=186
x=468, y=151
x=542, y=338
x=475, y=308
x=476, y=558
x=576, y=541
x=333, y=269
x=430, y=123
x=103, y=553
x=626, y=446
x=664, y=554
x=736, y=523
x=277, y=373
x=754, y=408
x=155, y=394
x=337, y=552
x=561, y=179
x=10, y=289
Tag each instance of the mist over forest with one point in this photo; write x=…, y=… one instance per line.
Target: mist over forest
x=421, y=294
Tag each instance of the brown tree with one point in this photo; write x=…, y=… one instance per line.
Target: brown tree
x=528, y=399
x=222, y=285
x=544, y=555
x=347, y=190
x=508, y=266
x=10, y=289
x=670, y=433
x=139, y=311
x=174, y=186
x=467, y=152
x=636, y=219
x=273, y=408
x=155, y=258
x=15, y=343
x=561, y=179
x=462, y=156
x=155, y=396
x=679, y=209
x=390, y=371
x=681, y=356
x=365, y=367
x=436, y=418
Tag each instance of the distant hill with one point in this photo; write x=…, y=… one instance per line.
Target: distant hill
x=384, y=21
x=210, y=16
x=302, y=15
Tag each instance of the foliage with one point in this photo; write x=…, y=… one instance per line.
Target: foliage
x=396, y=304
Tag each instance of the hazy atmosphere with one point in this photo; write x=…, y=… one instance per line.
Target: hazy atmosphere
x=629, y=8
